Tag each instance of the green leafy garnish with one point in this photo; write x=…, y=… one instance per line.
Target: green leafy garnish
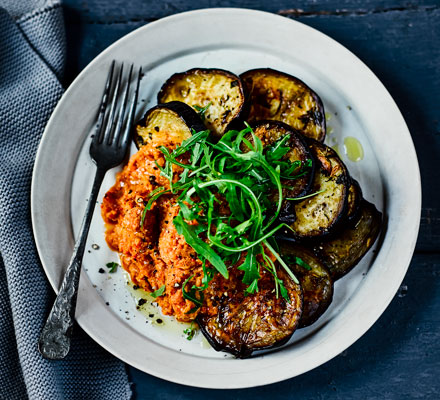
x=159, y=292
x=154, y=195
x=302, y=263
x=201, y=110
x=297, y=260
x=251, y=269
x=189, y=232
x=192, y=295
x=113, y=267
x=307, y=196
x=190, y=332
x=241, y=171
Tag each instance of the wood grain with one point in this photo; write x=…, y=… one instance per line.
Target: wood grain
x=122, y=11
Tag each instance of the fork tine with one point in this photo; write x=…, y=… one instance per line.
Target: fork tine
x=118, y=129
x=111, y=118
x=102, y=107
x=126, y=136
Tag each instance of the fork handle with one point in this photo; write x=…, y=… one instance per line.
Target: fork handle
x=54, y=342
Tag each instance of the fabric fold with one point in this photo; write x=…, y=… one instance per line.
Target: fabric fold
x=32, y=57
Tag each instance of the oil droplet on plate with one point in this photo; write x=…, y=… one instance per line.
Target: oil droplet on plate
x=204, y=344
x=147, y=306
x=353, y=149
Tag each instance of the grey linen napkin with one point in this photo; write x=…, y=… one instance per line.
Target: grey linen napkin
x=32, y=57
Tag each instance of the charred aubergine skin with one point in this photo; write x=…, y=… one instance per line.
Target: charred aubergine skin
x=278, y=96
x=240, y=324
x=343, y=252
x=321, y=214
x=354, y=201
x=219, y=90
x=316, y=282
x=167, y=124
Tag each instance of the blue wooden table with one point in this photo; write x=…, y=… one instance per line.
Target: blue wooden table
x=399, y=357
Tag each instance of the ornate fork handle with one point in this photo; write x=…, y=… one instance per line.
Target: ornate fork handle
x=54, y=342
x=108, y=149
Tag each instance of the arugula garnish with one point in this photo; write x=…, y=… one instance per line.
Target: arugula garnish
x=113, y=267
x=190, y=331
x=189, y=233
x=159, y=292
x=240, y=170
x=192, y=295
x=201, y=110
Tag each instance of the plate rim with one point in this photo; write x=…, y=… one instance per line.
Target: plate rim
x=213, y=382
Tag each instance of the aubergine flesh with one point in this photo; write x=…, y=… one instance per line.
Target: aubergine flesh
x=217, y=92
x=167, y=124
x=279, y=96
x=319, y=215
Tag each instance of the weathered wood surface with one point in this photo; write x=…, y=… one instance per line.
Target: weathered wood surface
x=399, y=357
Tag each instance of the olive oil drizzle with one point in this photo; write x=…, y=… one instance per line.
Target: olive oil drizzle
x=353, y=149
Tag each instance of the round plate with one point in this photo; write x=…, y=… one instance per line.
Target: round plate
x=234, y=39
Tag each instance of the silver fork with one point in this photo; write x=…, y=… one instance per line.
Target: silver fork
x=108, y=149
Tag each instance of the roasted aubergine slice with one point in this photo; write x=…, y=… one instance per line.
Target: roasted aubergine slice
x=271, y=134
x=320, y=214
x=276, y=95
x=216, y=94
x=315, y=280
x=343, y=252
x=167, y=124
x=240, y=324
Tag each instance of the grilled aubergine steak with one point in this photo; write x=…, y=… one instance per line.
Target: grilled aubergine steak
x=320, y=214
x=276, y=95
x=221, y=92
x=167, y=124
x=344, y=251
x=240, y=324
x=316, y=282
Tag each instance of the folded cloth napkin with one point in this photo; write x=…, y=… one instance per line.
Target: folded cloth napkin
x=32, y=52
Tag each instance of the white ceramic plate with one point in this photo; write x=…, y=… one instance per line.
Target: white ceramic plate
x=237, y=40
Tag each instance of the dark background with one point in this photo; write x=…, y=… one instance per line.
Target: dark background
x=399, y=357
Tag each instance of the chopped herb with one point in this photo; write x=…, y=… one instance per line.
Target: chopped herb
x=307, y=196
x=113, y=267
x=192, y=295
x=159, y=292
x=297, y=260
x=201, y=110
x=302, y=263
x=190, y=332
